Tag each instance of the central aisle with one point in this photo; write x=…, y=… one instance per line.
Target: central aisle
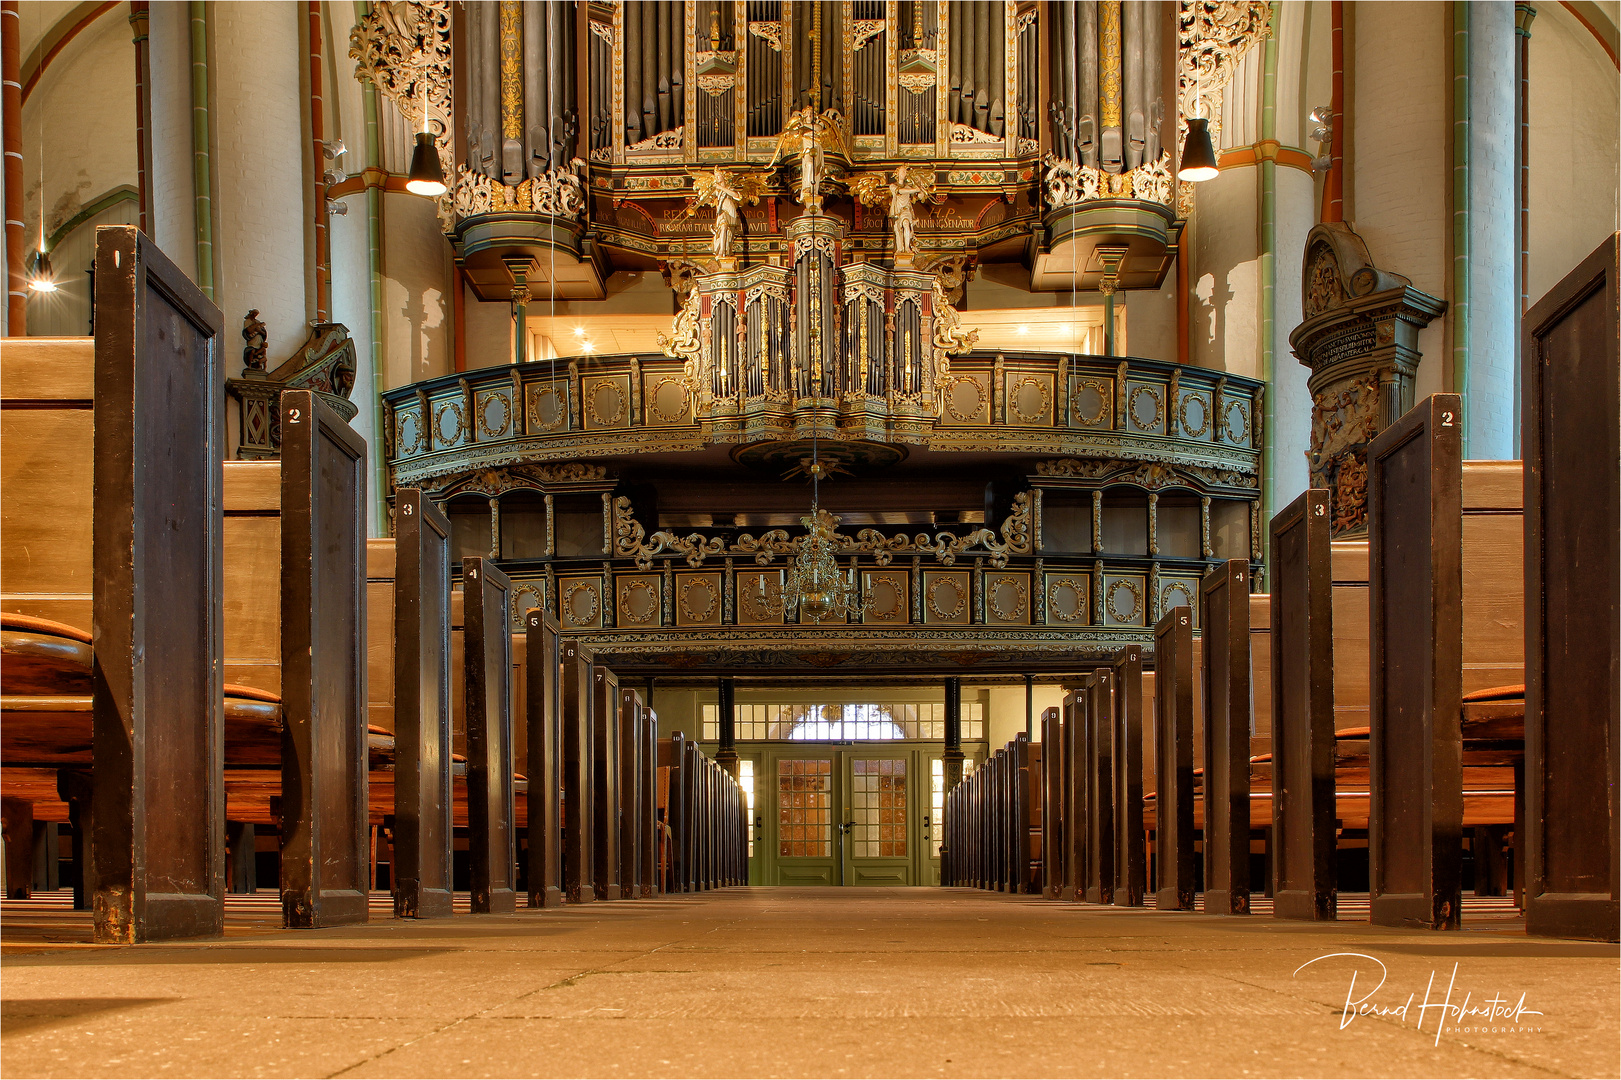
x=801, y=982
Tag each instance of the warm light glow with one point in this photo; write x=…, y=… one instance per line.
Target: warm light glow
x=579, y=331
x=1022, y=330
x=42, y=285
x=587, y=346
x=42, y=280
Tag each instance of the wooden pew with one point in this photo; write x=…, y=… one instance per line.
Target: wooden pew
x=420, y=874
x=672, y=760
x=1225, y=604
x=1445, y=621
x=605, y=804
x=652, y=883
x=1097, y=786
x=1074, y=748
x=325, y=867
x=1572, y=634
x=1130, y=857
x=632, y=741
x=543, y=721
x=1052, y=803
x=492, y=832
x=1302, y=692
x=579, y=680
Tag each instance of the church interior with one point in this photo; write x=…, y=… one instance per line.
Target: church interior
x=810, y=538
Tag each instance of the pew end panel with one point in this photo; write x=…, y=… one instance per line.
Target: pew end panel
x=1301, y=687
x=1572, y=447
x=1225, y=601
x=491, y=816
x=157, y=557
x=1174, y=756
x=543, y=720
x=1415, y=513
x=605, y=825
x=325, y=863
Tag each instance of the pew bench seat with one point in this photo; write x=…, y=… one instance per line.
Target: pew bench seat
x=55, y=729
x=41, y=657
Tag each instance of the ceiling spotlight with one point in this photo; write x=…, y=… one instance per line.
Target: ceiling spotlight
x=1198, y=153
x=426, y=176
x=334, y=149
x=586, y=346
x=1022, y=330
x=1322, y=114
x=579, y=331
x=42, y=280
x=334, y=176
x=337, y=207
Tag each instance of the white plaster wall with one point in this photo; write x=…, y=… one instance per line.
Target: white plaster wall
x=1296, y=195
x=1004, y=711
x=1151, y=321
x=1401, y=166
x=78, y=129
x=1225, y=306
x=169, y=174
x=1575, y=113
x=1493, y=191
x=488, y=328
x=259, y=157
x=416, y=291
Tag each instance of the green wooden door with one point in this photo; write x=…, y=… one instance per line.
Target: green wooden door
x=800, y=827
x=883, y=820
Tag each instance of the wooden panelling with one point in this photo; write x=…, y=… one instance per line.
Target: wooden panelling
x=605, y=826
x=491, y=818
x=543, y=757
x=1131, y=866
x=1225, y=598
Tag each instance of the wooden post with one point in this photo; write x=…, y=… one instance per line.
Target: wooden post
x=605, y=784
x=1225, y=602
x=1572, y=626
x=652, y=884
x=241, y=843
x=487, y=661
x=1074, y=805
x=1173, y=759
x=420, y=873
x=1100, y=787
x=157, y=550
x=544, y=701
x=1131, y=858
x=632, y=741
x=1052, y=804
x=578, y=683
x=1303, y=782
x=325, y=853
x=1415, y=743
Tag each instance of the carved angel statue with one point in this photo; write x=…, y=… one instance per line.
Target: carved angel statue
x=684, y=339
x=803, y=135
x=726, y=192
x=256, y=338
x=910, y=186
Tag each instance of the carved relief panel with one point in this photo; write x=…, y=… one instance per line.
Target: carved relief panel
x=579, y=602
x=946, y=597
x=547, y=405
x=492, y=413
x=1007, y=599
x=698, y=599
x=1145, y=407
x=636, y=601
x=1091, y=403
x=1068, y=599
x=666, y=400
x=967, y=401
x=754, y=591
x=887, y=590
x=1029, y=399
x=1124, y=600
x=1177, y=591
x=606, y=401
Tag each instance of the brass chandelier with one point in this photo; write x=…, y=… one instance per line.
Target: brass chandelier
x=816, y=589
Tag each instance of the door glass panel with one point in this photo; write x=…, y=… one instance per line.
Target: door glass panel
x=745, y=780
x=805, y=808
x=878, y=803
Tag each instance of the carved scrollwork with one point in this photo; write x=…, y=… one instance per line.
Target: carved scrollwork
x=403, y=48
x=556, y=193
x=632, y=541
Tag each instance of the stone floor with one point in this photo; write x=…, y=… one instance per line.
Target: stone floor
x=789, y=982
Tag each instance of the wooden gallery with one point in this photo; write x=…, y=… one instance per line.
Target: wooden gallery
x=781, y=486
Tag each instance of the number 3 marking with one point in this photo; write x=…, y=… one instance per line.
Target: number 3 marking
x=408, y=509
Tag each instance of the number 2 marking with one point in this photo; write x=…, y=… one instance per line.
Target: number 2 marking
x=1446, y=418
x=293, y=415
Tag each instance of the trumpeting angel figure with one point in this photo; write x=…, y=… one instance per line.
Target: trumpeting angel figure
x=726, y=192
x=910, y=186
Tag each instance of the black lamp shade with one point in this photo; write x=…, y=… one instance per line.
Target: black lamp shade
x=426, y=177
x=43, y=280
x=1198, y=153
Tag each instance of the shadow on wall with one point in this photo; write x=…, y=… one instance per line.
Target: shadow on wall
x=1211, y=309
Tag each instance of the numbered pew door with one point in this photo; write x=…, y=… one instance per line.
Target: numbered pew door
x=883, y=817
x=804, y=831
